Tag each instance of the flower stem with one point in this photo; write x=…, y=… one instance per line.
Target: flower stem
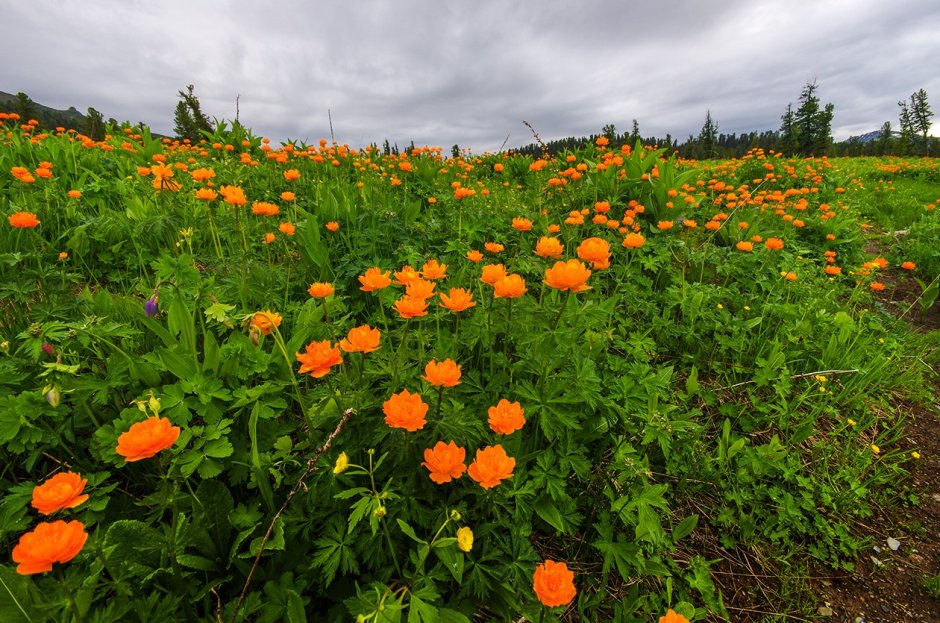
x=561, y=309
x=68, y=593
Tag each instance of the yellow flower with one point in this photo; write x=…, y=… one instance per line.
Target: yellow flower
x=465, y=539
x=915, y=454
x=875, y=449
x=851, y=422
x=342, y=463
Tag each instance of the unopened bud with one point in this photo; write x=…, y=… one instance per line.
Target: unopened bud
x=48, y=348
x=52, y=395
x=455, y=515
x=254, y=335
x=380, y=512
x=154, y=404
x=151, y=307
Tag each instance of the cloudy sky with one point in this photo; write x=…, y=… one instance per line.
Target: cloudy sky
x=468, y=72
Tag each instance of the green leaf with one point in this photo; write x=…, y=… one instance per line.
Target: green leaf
x=421, y=612
x=409, y=531
x=294, y=610
x=685, y=528
x=14, y=598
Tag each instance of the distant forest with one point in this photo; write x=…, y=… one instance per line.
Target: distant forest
x=805, y=129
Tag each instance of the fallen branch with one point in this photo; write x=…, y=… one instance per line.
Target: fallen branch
x=300, y=484
x=795, y=376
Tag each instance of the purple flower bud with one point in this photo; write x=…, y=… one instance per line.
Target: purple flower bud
x=48, y=348
x=150, y=307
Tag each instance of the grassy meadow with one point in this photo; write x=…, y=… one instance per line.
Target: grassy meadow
x=242, y=381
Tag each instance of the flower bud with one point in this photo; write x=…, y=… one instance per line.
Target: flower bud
x=150, y=307
x=154, y=404
x=254, y=335
x=455, y=515
x=48, y=348
x=380, y=512
x=52, y=395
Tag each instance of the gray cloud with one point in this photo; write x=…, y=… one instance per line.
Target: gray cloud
x=468, y=73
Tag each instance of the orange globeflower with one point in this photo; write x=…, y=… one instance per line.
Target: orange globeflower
x=548, y=247
x=491, y=466
x=457, y=300
x=206, y=194
x=908, y=265
x=268, y=238
x=332, y=226
x=506, y=417
x=673, y=617
x=320, y=290
x=445, y=461
x=233, y=195
x=596, y=251
x=554, y=584
x=406, y=275
x=374, y=279
x=789, y=276
x=492, y=273
x=319, y=358
x=509, y=287
x=266, y=321
x=420, y=289
x=877, y=286
x=288, y=196
x=262, y=208
x=571, y=275
x=405, y=410
x=774, y=244
x=145, y=439
x=48, y=543
x=287, y=229
x=291, y=174
x=493, y=247
x=745, y=246
x=833, y=270
x=64, y=490
x=443, y=374
x=474, y=256
x=410, y=307
x=362, y=339
x=434, y=270
x=633, y=241
x=23, y=220
x=664, y=225
x=74, y=194
x=521, y=224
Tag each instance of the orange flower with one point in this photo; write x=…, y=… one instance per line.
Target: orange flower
x=266, y=321
x=833, y=270
x=745, y=246
x=23, y=220
x=506, y=417
x=554, y=584
x=287, y=229
x=877, y=286
x=374, y=279
x=362, y=339
x=261, y=208
x=493, y=247
x=48, y=543
x=571, y=275
x=474, y=256
x=664, y=225
x=554, y=228
x=509, y=287
x=145, y=439
x=445, y=462
x=406, y=275
x=493, y=273
x=596, y=251
x=634, y=241
x=288, y=196
x=434, y=270
x=74, y=194
x=332, y=226
x=443, y=374
x=410, y=307
x=673, y=617
x=789, y=276
x=64, y=490
x=405, y=410
x=491, y=466
x=319, y=358
x=774, y=244
x=548, y=247
x=521, y=224
x=268, y=238
x=908, y=265
x=202, y=174
x=206, y=194
x=320, y=290
x=420, y=289
x=457, y=300
x=291, y=174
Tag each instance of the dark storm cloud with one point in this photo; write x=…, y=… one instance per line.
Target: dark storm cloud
x=469, y=72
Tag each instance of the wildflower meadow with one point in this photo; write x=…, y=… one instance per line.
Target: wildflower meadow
x=247, y=381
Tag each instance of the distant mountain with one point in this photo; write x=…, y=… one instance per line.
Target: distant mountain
x=48, y=117
x=864, y=138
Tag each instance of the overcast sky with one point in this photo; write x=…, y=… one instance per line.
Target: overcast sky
x=468, y=72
